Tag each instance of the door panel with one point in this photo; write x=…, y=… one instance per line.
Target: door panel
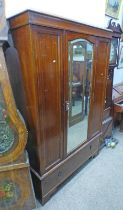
x=50, y=101
x=98, y=94
x=92, y=93
x=79, y=80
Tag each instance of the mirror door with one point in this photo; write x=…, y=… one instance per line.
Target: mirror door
x=80, y=66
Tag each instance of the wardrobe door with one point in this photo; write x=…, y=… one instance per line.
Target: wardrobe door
x=79, y=78
x=99, y=86
x=48, y=47
x=86, y=68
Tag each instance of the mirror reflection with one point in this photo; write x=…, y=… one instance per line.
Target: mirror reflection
x=80, y=70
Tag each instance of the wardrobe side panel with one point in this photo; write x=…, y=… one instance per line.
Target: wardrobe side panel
x=23, y=43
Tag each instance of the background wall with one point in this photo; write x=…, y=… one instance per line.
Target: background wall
x=91, y=12
x=88, y=11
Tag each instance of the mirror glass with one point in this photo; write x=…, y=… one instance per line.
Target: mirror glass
x=80, y=59
x=113, y=51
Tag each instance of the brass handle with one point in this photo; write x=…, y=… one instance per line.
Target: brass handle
x=67, y=106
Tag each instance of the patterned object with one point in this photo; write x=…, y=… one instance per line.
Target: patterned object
x=13, y=133
x=9, y=193
x=6, y=138
x=7, y=134
x=16, y=191
x=3, y=24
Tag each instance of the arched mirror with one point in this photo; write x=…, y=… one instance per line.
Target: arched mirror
x=80, y=61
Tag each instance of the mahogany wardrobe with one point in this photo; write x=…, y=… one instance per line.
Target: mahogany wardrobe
x=64, y=67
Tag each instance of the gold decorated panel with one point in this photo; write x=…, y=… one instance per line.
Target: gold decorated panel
x=16, y=190
x=13, y=134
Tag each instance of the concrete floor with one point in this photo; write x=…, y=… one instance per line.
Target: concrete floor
x=96, y=186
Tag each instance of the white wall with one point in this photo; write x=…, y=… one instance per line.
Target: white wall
x=15, y=6
x=86, y=11
x=91, y=12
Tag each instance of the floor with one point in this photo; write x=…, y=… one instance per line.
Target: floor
x=96, y=186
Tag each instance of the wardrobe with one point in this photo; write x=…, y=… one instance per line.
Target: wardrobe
x=64, y=67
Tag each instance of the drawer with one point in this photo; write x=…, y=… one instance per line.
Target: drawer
x=67, y=167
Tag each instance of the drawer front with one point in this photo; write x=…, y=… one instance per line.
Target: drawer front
x=69, y=166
